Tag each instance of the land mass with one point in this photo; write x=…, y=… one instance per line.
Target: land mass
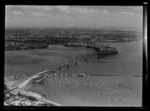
x=70, y=89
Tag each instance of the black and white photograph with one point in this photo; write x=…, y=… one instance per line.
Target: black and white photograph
x=73, y=55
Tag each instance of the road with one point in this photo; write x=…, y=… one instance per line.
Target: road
x=22, y=86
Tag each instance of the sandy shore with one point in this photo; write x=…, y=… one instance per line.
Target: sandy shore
x=92, y=90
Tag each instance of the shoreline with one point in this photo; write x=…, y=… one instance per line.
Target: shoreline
x=82, y=84
x=21, y=88
x=67, y=94
x=92, y=91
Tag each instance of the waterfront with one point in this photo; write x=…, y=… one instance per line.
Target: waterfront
x=73, y=55
x=127, y=62
x=114, y=80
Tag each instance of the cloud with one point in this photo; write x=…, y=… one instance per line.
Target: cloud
x=63, y=8
x=125, y=13
x=73, y=15
x=81, y=12
x=27, y=7
x=38, y=14
x=131, y=14
x=18, y=13
x=138, y=9
x=74, y=11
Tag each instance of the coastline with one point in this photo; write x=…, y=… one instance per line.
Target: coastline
x=84, y=91
x=93, y=91
x=75, y=91
x=20, y=90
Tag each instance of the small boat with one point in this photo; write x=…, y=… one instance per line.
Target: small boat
x=81, y=75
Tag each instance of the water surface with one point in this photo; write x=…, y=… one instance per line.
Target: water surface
x=127, y=62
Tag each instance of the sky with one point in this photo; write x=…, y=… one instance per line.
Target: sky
x=38, y=16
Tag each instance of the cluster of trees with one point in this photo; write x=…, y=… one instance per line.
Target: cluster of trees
x=41, y=38
x=35, y=43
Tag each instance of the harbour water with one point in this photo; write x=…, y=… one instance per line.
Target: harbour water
x=127, y=62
